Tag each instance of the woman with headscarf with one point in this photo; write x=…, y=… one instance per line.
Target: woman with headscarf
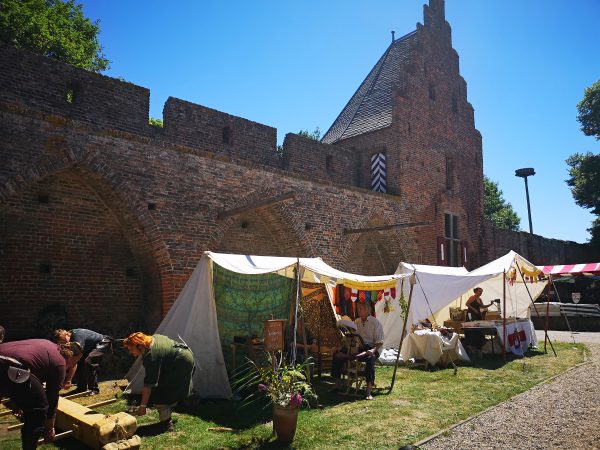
x=168, y=367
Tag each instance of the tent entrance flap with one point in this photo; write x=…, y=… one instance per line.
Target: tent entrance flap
x=244, y=302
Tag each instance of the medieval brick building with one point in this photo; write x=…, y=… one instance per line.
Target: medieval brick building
x=106, y=216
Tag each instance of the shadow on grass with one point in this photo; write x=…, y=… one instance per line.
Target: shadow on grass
x=239, y=415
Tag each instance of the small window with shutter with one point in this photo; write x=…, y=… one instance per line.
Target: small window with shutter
x=378, y=173
x=449, y=246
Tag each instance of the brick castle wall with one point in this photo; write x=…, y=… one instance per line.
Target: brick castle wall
x=130, y=207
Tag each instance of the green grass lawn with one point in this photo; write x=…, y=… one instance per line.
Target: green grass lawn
x=422, y=403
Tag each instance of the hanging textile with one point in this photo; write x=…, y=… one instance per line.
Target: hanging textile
x=244, y=302
x=318, y=316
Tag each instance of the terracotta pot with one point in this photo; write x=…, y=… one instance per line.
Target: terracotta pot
x=285, y=419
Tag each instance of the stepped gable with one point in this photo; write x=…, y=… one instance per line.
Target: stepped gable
x=370, y=108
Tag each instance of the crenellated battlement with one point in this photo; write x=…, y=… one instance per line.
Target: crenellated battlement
x=220, y=133
x=52, y=87
x=57, y=88
x=334, y=163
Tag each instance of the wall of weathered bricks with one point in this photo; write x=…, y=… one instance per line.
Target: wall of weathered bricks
x=537, y=249
x=107, y=216
x=155, y=204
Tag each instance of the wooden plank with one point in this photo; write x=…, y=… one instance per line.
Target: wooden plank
x=77, y=395
x=256, y=205
x=102, y=403
x=58, y=436
x=386, y=227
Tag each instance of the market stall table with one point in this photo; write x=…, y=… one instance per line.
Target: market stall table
x=520, y=333
x=433, y=347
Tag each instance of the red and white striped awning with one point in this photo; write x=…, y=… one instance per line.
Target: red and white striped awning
x=571, y=269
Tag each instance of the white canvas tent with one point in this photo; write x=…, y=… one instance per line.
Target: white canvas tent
x=436, y=288
x=439, y=288
x=193, y=316
x=522, y=284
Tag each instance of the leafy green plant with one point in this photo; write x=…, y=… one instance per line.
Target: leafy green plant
x=156, y=122
x=282, y=383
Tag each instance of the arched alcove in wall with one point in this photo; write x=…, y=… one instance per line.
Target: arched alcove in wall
x=69, y=240
x=261, y=232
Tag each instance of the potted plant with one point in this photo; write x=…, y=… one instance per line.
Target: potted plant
x=285, y=387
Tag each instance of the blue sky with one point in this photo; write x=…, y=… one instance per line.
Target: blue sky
x=294, y=65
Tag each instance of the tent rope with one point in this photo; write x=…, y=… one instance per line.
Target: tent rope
x=424, y=294
x=534, y=307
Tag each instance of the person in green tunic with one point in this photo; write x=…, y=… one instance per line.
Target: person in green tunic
x=168, y=366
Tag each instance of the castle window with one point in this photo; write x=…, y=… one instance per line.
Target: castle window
x=378, y=173
x=131, y=273
x=451, y=241
x=432, y=92
x=449, y=174
x=454, y=105
x=226, y=135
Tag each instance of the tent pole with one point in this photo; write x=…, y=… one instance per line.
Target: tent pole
x=536, y=310
x=412, y=283
x=547, y=313
x=565, y=316
x=504, y=314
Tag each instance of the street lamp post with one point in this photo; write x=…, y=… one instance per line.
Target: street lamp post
x=524, y=173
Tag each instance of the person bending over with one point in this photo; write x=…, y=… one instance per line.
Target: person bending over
x=94, y=346
x=169, y=367
x=45, y=362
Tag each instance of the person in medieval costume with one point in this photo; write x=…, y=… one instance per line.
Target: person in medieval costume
x=168, y=367
x=24, y=366
x=94, y=346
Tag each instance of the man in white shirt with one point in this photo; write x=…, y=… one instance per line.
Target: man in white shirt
x=371, y=331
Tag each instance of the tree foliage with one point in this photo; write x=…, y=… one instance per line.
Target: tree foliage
x=589, y=111
x=584, y=180
x=315, y=135
x=158, y=123
x=496, y=209
x=54, y=28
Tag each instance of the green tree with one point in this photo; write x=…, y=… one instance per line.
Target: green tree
x=584, y=180
x=315, y=135
x=589, y=111
x=158, y=123
x=496, y=209
x=54, y=28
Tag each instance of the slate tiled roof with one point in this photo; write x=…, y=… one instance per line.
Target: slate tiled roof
x=370, y=108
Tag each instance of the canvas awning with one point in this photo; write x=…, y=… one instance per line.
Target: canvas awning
x=572, y=269
x=193, y=316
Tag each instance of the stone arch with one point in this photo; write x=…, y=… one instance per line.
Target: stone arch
x=378, y=252
x=272, y=230
x=138, y=227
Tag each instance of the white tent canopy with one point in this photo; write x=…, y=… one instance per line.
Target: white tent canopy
x=193, y=316
x=439, y=287
x=436, y=288
x=523, y=283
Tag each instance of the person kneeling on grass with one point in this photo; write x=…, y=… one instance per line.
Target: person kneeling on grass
x=371, y=331
x=169, y=367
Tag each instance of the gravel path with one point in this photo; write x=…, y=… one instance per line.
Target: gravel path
x=562, y=414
